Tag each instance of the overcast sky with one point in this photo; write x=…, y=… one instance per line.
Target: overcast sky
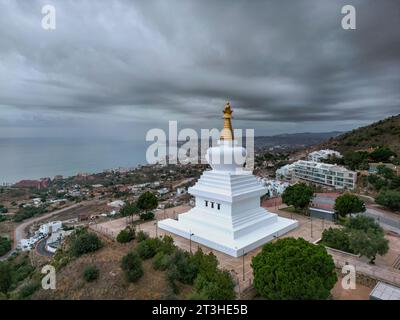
x=118, y=68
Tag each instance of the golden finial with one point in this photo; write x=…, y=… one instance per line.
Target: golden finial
x=227, y=132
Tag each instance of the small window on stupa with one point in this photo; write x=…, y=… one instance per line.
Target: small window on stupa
x=206, y=203
x=218, y=206
x=212, y=204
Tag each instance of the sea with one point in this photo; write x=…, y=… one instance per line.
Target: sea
x=34, y=158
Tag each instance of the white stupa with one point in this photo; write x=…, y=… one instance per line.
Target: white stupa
x=227, y=215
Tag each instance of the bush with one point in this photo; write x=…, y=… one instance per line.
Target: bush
x=91, y=273
x=5, y=277
x=84, y=242
x=293, y=269
x=141, y=236
x=132, y=266
x=148, y=248
x=185, y=267
x=27, y=290
x=5, y=246
x=336, y=239
x=126, y=235
x=147, y=216
x=218, y=285
x=161, y=261
x=28, y=212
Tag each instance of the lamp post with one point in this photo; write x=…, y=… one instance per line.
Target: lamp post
x=156, y=224
x=190, y=241
x=243, y=254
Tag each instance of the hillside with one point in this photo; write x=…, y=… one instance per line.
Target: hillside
x=292, y=141
x=382, y=133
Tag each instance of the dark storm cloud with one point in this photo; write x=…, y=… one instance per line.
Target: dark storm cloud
x=277, y=61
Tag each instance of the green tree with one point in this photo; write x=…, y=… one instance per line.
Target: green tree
x=298, y=196
x=147, y=201
x=389, y=199
x=386, y=172
x=347, y=204
x=363, y=223
x=382, y=154
x=368, y=243
x=293, y=269
x=85, y=242
x=129, y=210
x=126, y=235
x=356, y=160
x=132, y=266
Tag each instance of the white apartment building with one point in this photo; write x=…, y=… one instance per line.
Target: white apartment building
x=327, y=174
x=323, y=154
x=285, y=171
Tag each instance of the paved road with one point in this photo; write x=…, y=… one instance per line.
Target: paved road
x=19, y=232
x=386, y=220
x=383, y=219
x=41, y=249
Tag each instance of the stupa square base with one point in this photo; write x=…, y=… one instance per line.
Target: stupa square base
x=233, y=247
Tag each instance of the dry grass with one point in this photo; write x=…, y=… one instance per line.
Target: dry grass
x=111, y=283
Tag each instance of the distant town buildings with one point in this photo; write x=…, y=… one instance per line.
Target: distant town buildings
x=43, y=183
x=50, y=227
x=323, y=154
x=116, y=204
x=327, y=174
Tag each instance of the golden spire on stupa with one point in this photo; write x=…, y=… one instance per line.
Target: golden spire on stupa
x=227, y=132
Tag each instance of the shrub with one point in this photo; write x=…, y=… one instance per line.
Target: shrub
x=147, y=216
x=27, y=290
x=91, y=273
x=132, y=266
x=126, y=235
x=293, y=269
x=216, y=285
x=5, y=246
x=141, y=236
x=298, y=196
x=84, y=242
x=5, y=277
x=161, y=261
x=336, y=238
x=186, y=269
x=148, y=248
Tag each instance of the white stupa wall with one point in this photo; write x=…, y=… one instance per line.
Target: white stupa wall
x=232, y=220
